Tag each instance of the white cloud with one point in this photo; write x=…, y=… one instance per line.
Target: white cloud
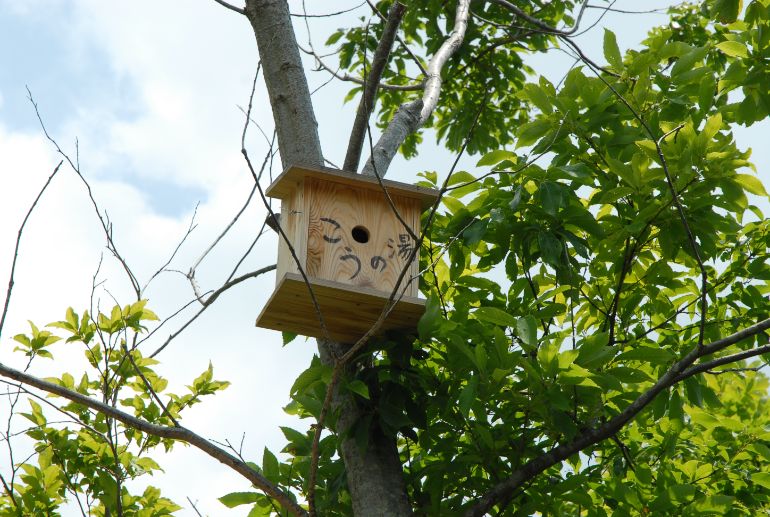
x=185, y=129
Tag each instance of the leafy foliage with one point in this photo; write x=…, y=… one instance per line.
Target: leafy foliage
x=89, y=457
x=560, y=293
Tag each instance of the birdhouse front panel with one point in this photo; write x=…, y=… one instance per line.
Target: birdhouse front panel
x=352, y=248
x=355, y=237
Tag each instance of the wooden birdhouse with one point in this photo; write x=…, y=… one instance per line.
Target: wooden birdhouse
x=352, y=247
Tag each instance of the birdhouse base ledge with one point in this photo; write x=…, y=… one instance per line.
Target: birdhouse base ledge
x=348, y=311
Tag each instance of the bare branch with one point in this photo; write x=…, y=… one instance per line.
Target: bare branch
x=327, y=15
x=7, y=302
x=708, y=367
x=238, y=10
x=410, y=116
x=103, y=219
x=661, y=10
x=447, y=49
x=174, y=433
x=349, y=78
x=195, y=508
x=366, y=106
x=207, y=303
x=191, y=273
x=162, y=268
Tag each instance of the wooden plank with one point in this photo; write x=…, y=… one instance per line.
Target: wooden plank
x=294, y=224
x=349, y=312
x=284, y=185
x=355, y=238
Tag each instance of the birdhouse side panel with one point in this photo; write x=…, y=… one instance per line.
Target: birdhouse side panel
x=355, y=238
x=294, y=224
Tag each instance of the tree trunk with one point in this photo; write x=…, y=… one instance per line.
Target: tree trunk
x=287, y=87
x=375, y=478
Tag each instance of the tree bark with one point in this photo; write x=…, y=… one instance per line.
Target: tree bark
x=375, y=476
x=286, y=83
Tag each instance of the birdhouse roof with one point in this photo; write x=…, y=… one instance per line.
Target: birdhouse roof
x=283, y=186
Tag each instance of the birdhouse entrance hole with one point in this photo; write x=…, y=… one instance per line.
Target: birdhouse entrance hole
x=354, y=246
x=360, y=234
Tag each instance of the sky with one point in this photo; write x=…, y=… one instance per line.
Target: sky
x=147, y=95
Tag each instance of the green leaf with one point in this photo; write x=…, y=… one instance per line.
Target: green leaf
x=531, y=132
x=647, y=354
x=261, y=511
x=551, y=248
x=594, y=351
x=270, y=465
x=526, y=329
x=495, y=316
x=288, y=337
x=234, y=499
x=733, y=48
x=552, y=197
x=611, y=50
x=761, y=478
x=358, y=387
x=726, y=11
x=751, y=184
x=495, y=157
x=431, y=318
x=468, y=396
x=712, y=126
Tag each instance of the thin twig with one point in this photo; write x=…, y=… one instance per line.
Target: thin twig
x=208, y=301
x=103, y=219
x=195, y=509
x=238, y=10
x=162, y=268
x=191, y=273
x=271, y=214
x=349, y=78
x=328, y=15
x=539, y=23
x=398, y=38
x=7, y=302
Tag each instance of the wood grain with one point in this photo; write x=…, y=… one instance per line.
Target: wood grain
x=349, y=312
x=283, y=186
x=352, y=277
x=294, y=223
x=333, y=253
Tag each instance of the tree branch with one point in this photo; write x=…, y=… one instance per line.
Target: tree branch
x=366, y=105
x=349, y=78
x=538, y=23
x=181, y=434
x=238, y=10
x=103, y=219
x=398, y=38
x=7, y=302
x=678, y=371
x=207, y=303
x=721, y=361
x=410, y=116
